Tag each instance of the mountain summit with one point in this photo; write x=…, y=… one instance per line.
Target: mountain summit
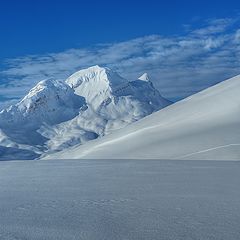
x=91, y=103
x=96, y=84
x=50, y=101
x=144, y=77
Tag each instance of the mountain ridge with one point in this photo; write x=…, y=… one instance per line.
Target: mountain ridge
x=91, y=103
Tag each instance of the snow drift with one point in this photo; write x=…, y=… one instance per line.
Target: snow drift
x=205, y=126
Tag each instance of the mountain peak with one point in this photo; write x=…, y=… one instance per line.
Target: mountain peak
x=97, y=68
x=144, y=77
x=95, y=83
x=50, y=101
x=49, y=84
x=96, y=74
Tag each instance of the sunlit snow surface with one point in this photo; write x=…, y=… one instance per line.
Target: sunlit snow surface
x=119, y=199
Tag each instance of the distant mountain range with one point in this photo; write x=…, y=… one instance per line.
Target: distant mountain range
x=56, y=115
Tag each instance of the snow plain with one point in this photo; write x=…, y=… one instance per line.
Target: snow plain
x=119, y=199
x=205, y=126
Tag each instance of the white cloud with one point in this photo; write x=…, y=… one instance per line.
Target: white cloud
x=179, y=65
x=215, y=26
x=237, y=37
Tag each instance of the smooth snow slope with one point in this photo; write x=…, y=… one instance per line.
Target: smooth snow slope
x=205, y=126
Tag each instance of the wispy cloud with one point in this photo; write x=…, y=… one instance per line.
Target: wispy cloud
x=179, y=65
x=215, y=26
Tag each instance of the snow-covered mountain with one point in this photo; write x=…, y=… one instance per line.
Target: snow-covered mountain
x=50, y=101
x=205, y=126
x=91, y=103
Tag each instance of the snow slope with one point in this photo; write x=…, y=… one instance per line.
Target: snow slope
x=203, y=126
x=55, y=115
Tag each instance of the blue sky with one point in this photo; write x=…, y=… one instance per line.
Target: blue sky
x=33, y=27
x=184, y=45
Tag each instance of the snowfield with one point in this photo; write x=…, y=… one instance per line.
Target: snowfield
x=119, y=199
x=205, y=126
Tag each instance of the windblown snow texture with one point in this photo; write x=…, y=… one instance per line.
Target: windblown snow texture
x=119, y=199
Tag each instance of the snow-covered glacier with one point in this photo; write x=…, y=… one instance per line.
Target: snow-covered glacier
x=91, y=103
